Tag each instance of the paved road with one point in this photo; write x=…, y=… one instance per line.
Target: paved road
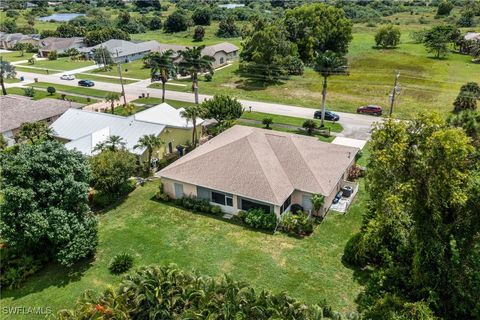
x=355, y=126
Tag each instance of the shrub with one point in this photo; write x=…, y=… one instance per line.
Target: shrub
x=198, y=33
x=309, y=125
x=216, y=210
x=294, y=208
x=267, y=122
x=387, y=37
x=208, y=77
x=299, y=224
x=52, y=55
x=352, y=254
x=15, y=268
x=51, y=90
x=259, y=219
x=120, y=263
x=176, y=22
x=29, y=92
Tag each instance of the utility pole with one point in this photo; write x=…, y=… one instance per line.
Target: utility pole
x=395, y=91
x=119, y=66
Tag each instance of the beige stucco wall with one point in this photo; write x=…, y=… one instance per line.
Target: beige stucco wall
x=218, y=56
x=189, y=190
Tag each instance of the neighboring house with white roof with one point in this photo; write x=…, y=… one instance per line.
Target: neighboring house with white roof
x=470, y=39
x=83, y=130
x=245, y=167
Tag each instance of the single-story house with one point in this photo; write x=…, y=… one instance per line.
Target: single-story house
x=469, y=39
x=223, y=52
x=9, y=40
x=60, y=45
x=15, y=110
x=127, y=50
x=83, y=130
x=246, y=167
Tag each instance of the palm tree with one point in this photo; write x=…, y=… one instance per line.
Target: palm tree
x=310, y=126
x=7, y=71
x=112, y=97
x=113, y=143
x=162, y=66
x=34, y=131
x=194, y=62
x=149, y=142
x=192, y=113
x=327, y=64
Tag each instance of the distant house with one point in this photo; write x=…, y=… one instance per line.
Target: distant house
x=9, y=40
x=15, y=110
x=223, y=52
x=469, y=39
x=246, y=167
x=123, y=51
x=83, y=130
x=60, y=45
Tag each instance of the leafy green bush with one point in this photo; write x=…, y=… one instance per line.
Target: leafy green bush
x=216, y=210
x=171, y=293
x=195, y=204
x=259, y=219
x=15, y=268
x=121, y=263
x=299, y=224
x=101, y=200
x=51, y=90
x=29, y=92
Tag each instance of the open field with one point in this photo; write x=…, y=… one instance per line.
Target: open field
x=154, y=233
x=70, y=89
x=39, y=71
x=132, y=69
x=15, y=56
x=41, y=94
x=64, y=63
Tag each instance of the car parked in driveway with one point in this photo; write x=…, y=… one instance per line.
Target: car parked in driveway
x=329, y=115
x=67, y=77
x=370, y=109
x=86, y=83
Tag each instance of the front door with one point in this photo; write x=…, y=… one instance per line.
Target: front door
x=170, y=147
x=307, y=202
x=178, y=190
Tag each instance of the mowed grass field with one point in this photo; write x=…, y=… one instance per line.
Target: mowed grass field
x=64, y=64
x=154, y=233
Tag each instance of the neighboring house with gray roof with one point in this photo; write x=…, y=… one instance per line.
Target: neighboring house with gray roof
x=60, y=45
x=15, y=110
x=9, y=40
x=83, y=130
x=127, y=50
x=247, y=167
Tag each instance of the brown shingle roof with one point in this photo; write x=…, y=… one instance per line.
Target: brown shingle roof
x=263, y=165
x=15, y=110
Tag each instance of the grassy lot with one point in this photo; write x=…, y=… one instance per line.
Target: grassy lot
x=154, y=233
x=292, y=121
x=39, y=94
x=11, y=80
x=70, y=89
x=64, y=63
x=101, y=79
x=154, y=101
x=134, y=69
x=120, y=111
x=15, y=56
x=186, y=37
x=32, y=70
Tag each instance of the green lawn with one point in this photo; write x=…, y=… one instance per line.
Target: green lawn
x=120, y=111
x=292, y=121
x=71, y=89
x=154, y=101
x=15, y=56
x=154, y=233
x=11, y=80
x=64, y=64
x=101, y=79
x=32, y=70
x=186, y=37
x=39, y=94
x=134, y=69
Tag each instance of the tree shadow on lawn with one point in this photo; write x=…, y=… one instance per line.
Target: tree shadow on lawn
x=52, y=274
x=253, y=82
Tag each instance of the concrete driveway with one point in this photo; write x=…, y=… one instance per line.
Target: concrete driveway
x=355, y=126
